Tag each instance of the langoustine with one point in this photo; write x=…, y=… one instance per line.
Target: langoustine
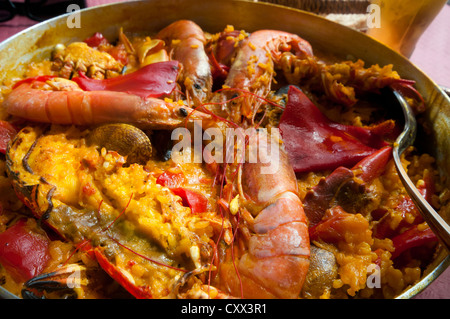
x=275, y=259
x=62, y=101
x=254, y=65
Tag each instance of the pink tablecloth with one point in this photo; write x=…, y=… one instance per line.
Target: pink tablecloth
x=432, y=53
x=431, y=56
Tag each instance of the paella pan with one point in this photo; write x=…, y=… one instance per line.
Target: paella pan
x=178, y=150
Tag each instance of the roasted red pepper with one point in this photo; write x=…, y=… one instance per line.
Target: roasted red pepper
x=326, y=229
x=23, y=252
x=406, y=206
x=7, y=132
x=196, y=201
x=153, y=80
x=316, y=143
x=40, y=78
x=169, y=179
x=373, y=165
x=336, y=224
x=413, y=237
x=383, y=228
x=96, y=39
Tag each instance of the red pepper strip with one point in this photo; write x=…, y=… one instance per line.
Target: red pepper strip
x=383, y=229
x=153, y=80
x=40, y=78
x=7, y=132
x=326, y=229
x=406, y=88
x=413, y=237
x=23, y=253
x=406, y=206
x=336, y=224
x=315, y=143
x=196, y=201
x=226, y=46
x=371, y=136
x=169, y=179
x=95, y=40
x=373, y=165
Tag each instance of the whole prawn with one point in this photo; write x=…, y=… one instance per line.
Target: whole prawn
x=275, y=258
x=253, y=67
x=39, y=101
x=185, y=41
x=271, y=257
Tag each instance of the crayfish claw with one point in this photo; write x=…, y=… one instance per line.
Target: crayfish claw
x=66, y=278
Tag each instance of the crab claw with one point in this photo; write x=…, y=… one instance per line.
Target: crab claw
x=66, y=278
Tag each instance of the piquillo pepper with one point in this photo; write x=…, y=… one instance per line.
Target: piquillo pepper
x=23, y=252
x=196, y=201
x=316, y=143
x=153, y=80
x=95, y=40
x=413, y=237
